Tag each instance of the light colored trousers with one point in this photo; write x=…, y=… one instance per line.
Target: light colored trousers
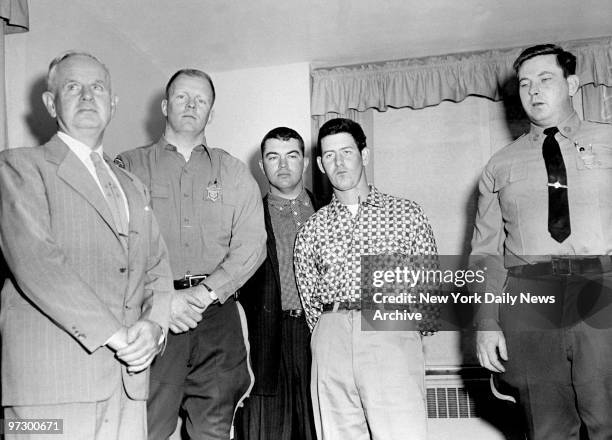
x=118, y=418
x=366, y=384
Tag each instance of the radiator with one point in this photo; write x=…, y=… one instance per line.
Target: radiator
x=460, y=406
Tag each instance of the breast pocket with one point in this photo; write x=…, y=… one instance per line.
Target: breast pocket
x=594, y=156
x=216, y=217
x=160, y=190
x=513, y=188
x=161, y=203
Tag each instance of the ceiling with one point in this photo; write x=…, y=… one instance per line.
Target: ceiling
x=237, y=34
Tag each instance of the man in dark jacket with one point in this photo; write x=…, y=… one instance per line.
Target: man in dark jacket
x=279, y=406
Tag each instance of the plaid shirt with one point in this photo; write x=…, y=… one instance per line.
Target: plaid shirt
x=329, y=246
x=287, y=216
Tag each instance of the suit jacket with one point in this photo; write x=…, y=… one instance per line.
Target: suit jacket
x=73, y=283
x=261, y=299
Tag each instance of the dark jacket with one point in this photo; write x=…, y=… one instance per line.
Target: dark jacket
x=261, y=299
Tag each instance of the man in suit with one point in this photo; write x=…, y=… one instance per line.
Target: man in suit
x=544, y=228
x=88, y=302
x=279, y=406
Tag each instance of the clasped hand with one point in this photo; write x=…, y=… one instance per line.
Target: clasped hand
x=187, y=308
x=137, y=346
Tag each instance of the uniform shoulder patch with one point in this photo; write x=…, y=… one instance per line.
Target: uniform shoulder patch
x=119, y=162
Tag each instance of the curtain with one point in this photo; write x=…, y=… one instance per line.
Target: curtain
x=356, y=91
x=13, y=18
x=423, y=82
x=597, y=102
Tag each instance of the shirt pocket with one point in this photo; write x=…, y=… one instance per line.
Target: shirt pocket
x=160, y=190
x=216, y=218
x=161, y=204
x=512, y=185
x=596, y=156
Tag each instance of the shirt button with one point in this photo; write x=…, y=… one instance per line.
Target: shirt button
x=293, y=202
x=122, y=269
x=186, y=195
x=294, y=213
x=186, y=244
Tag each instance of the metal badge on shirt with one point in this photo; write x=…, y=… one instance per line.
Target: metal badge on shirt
x=213, y=191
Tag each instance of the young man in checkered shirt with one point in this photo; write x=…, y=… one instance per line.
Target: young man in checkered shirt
x=365, y=384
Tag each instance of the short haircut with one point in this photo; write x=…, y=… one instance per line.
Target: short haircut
x=194, y=73
x=283, y=134
x=64, y=56
x=342, y=125
x=566, y=60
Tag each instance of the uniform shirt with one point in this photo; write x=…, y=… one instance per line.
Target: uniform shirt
x=511, y=225
x=287, y=216
x=209, y=210
x=329, y=246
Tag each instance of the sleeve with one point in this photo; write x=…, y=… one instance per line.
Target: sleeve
x=487, y=244
x=307, y=275
x=247, y=249
x=424, y=246
x=158, y=275
x=38, y=263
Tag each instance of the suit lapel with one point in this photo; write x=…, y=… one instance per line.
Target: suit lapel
x=72, y=171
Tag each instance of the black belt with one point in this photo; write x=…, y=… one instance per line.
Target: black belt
x=294, y=313
x=564, y=266
x=188, y=281
x=342, y=305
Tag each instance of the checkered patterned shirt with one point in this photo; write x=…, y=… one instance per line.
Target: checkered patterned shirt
x=329, y=246
x=287, y=216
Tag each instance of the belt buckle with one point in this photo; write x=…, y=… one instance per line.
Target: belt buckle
x=194, y=280
x=559, y=268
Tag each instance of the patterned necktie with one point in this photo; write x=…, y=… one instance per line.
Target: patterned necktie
x=558, y=208
x=112, y=195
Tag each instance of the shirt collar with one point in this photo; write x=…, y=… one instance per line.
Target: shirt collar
x=81, y=150
x=281, y=202
x=374, y=198
x=568, y=127
x=163, y=142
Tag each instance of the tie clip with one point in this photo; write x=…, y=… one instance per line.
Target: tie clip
x=557, y=185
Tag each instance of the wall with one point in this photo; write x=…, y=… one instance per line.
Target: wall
x=249, y=102
x=253, y=101
x=434, y=156
x=135, y=78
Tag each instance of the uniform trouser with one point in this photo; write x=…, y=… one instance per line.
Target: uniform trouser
x=117, y=418
x=366, y=384
x=560, y=355
x=287, y=415
x=205, y=372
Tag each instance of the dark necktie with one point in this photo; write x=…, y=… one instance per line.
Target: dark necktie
x=558, y=208
x=112, y=195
